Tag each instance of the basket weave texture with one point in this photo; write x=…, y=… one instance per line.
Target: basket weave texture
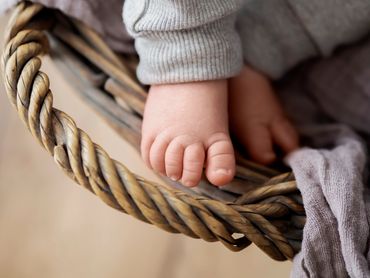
x=261, y=205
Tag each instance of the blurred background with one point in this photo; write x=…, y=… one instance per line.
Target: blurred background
x=51, y=228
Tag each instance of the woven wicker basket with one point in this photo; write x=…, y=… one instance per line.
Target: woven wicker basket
x=261, y=205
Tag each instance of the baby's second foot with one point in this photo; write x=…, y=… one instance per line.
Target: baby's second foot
x=185, y=128
x=257, y=119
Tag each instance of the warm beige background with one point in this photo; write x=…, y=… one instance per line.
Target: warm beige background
x=49, y=227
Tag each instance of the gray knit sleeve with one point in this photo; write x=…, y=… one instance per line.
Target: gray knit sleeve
x=184, y=40
x=279, y=34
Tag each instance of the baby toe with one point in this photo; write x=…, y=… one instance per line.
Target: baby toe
x=220, y=168
x=193, y=163
x=285, y=135
x=258, y=141
x=173, y=160
x=157, y=153
x=146, y=143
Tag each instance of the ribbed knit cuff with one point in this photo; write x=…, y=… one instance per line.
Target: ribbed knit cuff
x=190, y=47
x=273, y=38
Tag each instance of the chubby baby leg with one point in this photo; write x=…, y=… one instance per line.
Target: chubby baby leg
x=185, y=129
x=257, y=119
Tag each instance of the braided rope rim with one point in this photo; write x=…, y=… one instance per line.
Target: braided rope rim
x=90, y=166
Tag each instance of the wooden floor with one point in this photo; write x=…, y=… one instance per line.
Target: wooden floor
x=51, y=228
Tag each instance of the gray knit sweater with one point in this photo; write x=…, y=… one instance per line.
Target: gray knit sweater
x=188, y=40
x=184, y=40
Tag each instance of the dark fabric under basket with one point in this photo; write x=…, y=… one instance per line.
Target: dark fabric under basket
x=261, y=205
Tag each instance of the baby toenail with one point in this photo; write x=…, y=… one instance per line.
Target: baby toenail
x=188, y=183
x=174, y=178
x=222, y=171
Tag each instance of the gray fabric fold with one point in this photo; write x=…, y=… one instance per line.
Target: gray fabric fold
x=274, y=39
x=278, y=35
x=333, y=22
x=336, y=230
x=105, y=18
x=328, y=100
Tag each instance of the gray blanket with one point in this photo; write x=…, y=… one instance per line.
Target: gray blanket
x=104, y=16
x=330, y=102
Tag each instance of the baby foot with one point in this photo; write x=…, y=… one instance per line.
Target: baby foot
x=185, y=128
x=257, y=119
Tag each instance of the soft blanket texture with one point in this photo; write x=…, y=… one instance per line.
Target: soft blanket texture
x=331, y=175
